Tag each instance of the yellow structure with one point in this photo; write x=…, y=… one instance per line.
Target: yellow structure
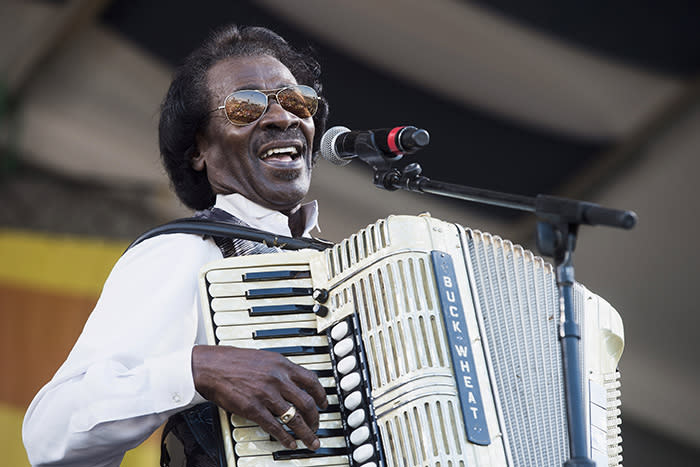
x=49, y=284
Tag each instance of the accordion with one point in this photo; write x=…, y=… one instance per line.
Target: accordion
x=437, y=345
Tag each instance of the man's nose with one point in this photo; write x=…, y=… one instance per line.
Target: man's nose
x=277, y=116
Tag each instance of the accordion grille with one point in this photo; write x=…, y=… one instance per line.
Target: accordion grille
x=357, y=247
x=434, y=418
x=382, y=298
x=520, y=322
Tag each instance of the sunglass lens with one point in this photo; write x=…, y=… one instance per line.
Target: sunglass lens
x=300, y=100
x=244, y=107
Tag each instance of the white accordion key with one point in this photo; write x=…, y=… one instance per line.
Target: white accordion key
x=363, y=453
x=339, y=331
x=347, y=364
x=260, y=448
x=350, y=382
x=251, y=433
x=269, y=461
x=353, y=400
x=255, y=433
x=264, y=344
x=343, y=347
x=356, y=418
x=328, y=416
x=332, y=399
x=360, y=435
x=307, y=360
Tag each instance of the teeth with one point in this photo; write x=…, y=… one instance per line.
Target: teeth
x=292, y=151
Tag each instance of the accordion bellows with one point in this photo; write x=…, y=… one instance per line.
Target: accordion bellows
x=437, y=345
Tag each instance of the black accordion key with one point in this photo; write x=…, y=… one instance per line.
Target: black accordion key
x=321, y=433
x=278, y=292
x=332, y=408
x=307, y=453
x=298, y=350
x=275, y=275
x=272, y=310
x=285, y=332
x=323, y=373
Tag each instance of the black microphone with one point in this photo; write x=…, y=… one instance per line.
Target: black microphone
x=339, y=145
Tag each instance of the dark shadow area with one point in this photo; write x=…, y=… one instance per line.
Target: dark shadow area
x=645, y=447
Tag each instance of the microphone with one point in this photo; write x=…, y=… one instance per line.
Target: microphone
x=339, y=145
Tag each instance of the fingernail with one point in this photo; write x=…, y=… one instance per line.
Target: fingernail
x=315, y=445
x=291, y=445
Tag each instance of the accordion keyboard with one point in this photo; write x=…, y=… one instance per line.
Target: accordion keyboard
x=271, y=309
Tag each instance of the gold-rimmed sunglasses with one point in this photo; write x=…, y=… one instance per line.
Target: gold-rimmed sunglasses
x=246, y=106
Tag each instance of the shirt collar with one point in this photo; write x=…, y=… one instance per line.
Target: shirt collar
x=263, y=218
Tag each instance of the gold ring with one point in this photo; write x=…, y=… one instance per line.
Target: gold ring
x=288, y=415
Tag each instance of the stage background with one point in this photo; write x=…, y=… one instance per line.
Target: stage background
x=595, y=100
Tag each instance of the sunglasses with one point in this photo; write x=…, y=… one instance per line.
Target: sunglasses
x=248, y=105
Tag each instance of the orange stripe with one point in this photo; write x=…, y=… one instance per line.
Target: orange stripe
x=37, y=330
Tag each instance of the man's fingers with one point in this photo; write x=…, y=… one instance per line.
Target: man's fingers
x=266, y=385
x=301, y=429
x=308, y=381
x=305, y=406
x=270, y=424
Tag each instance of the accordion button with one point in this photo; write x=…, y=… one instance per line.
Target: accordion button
x=353, y=400
x=356, y=418
x=339, y=330
x=360, y=435
x=320, y=310
x=350, y=382
x=363, y=453
x=347, y=364
x=343, y=347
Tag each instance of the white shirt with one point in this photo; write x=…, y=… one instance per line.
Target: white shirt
x=131, y=367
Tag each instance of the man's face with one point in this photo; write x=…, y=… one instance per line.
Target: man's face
x=237, y=158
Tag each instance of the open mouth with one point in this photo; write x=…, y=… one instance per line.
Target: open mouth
x=282, y=154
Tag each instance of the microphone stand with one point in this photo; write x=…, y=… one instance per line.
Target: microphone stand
x=557, y=228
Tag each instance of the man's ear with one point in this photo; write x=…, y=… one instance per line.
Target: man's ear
x=198, y=157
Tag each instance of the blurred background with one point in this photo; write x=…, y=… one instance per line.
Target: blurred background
x=592, y=100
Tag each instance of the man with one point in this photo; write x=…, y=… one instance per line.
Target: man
x=237, y=132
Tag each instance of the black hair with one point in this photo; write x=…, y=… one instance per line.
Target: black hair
x=186, y=105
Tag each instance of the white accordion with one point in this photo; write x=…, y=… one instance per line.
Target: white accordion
x=438, y=346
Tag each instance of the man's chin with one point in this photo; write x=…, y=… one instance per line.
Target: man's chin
x=287, y=175
x=290, y=195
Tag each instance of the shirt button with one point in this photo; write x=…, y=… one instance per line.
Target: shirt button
x=176, y=397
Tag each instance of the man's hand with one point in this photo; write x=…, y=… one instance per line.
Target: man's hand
x=261, y=386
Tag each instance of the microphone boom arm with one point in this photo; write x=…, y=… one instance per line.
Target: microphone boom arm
x=547, y=208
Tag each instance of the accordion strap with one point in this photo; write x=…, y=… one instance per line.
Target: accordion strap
x=227, y=229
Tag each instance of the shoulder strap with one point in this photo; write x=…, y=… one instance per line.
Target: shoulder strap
x=234, y=246
x=214, y=228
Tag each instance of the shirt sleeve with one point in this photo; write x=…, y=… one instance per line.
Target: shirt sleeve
x=131, y=367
